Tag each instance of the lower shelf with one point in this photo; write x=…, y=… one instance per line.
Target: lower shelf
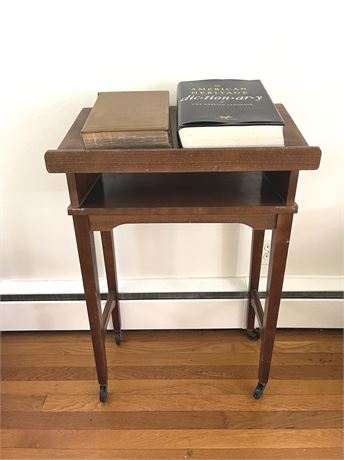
x=248, y=198
x=183, y=189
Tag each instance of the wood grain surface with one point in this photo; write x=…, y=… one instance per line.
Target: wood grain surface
x=172, y=395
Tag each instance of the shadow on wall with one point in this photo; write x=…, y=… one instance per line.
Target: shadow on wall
x=173, y=250
x=316, y=246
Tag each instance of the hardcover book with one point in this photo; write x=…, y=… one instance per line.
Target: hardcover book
x=128, y=119
x=227, y=113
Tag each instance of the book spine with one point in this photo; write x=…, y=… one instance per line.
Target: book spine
x=125, y=140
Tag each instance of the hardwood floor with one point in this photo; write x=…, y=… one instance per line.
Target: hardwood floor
x=172, y=395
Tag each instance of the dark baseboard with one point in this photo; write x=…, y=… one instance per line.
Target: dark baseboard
x=169, y=296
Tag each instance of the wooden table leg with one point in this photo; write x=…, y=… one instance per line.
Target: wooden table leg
x=278, y=259
x=256, y=260
x=111, y=276
x=88, y=264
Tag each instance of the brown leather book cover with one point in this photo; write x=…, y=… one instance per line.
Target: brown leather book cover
x=128, y=119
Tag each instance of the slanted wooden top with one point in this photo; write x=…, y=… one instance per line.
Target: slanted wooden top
x=71, y=156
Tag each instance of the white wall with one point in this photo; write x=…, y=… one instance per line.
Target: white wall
x=57, y=55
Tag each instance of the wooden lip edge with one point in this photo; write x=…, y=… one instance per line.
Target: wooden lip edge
x=123, y=212
x=53, y=156
x=289, y=122
x=308, y=149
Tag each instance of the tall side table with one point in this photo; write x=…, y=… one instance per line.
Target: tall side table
x=254, y=186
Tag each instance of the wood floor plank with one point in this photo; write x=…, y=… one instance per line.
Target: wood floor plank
x=121, y=420
x=174, y=439
x=183, y=386
x=328, y=453
x=297, y=372
x=160, y=420
x=168, y=359
x=123, y=402
x=138, y=345
x=22, y=403
x=309, y=346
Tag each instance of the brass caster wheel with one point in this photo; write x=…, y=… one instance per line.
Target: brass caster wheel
x=102, y=393
x=118, y=337
x=254, y=334
x=258, y=391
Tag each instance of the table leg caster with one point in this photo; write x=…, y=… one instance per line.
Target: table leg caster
x=118, y=337
x=102, y=393
x=253, y=334
x=258, y=390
